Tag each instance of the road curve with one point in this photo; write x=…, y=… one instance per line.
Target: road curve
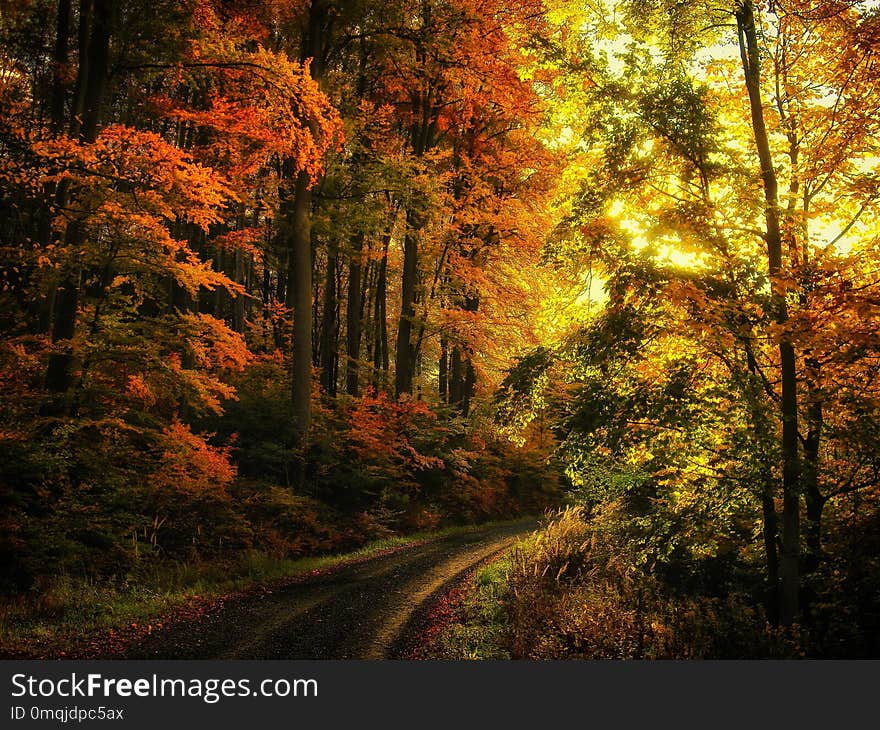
x=368, y=610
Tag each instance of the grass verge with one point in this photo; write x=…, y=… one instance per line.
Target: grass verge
x=75, y=618
x=472, y=622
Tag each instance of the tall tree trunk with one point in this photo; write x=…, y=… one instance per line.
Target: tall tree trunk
x=216, y=300
x=770, y=522
x=421, y=139
x=41, y=308
x=353, y=317
x=368, y=319
x=267, y=298
x=815, y=502
x=380, y=318
x=241, y=271
x=283, y=275
x=461, y=376
x=443, y=369
x=769, y=533
x=404, y=361
x=299, y=290
x=791, y=470
x=300, y=249
x=469, y=387
x=456, y=376
x=95, y=29
x=329, y=334
x=84, y=29
x=316, y=312
x=59, y=62
x=813, y=496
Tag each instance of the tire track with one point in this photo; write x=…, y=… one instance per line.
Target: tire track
x=360, y=611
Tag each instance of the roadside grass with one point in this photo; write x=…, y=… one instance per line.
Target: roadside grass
x=567, y=592
x=479, y=627
x=75, y=616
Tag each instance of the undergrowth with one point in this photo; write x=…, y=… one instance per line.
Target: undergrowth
x=570, y=592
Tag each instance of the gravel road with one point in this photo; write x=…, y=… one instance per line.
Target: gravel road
x=369, y=610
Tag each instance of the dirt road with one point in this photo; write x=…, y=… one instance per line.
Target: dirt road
x=369, y=610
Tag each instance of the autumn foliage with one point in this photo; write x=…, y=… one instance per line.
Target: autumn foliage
x=154, y=163
x=283, y=277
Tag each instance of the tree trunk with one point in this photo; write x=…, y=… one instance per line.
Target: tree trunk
x=82, y=72
x=469, y=387
x=770, y=532
x=444, y=369
x=283, y=275
x=770, y=522
x=353, y=318
x=404, y=357
x=299, y=232
x=241, y=275
x=59, y=61
x=299, y=290
x=421, y=139
x=97, y=66
x=791, y=472
x=813, y=496
x=95, y=28
x=329, y=335
x=380, y=318
x=456, y=379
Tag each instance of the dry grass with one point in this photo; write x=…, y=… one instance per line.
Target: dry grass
x=575, y=593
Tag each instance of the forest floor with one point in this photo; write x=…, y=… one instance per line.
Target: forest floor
x=373, y=609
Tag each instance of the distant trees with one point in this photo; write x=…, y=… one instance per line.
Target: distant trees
x=192, y=193
x=247, y=106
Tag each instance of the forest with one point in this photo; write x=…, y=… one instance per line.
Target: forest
x=279, y=278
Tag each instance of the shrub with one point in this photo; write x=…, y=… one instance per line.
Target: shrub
x=575, y=593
